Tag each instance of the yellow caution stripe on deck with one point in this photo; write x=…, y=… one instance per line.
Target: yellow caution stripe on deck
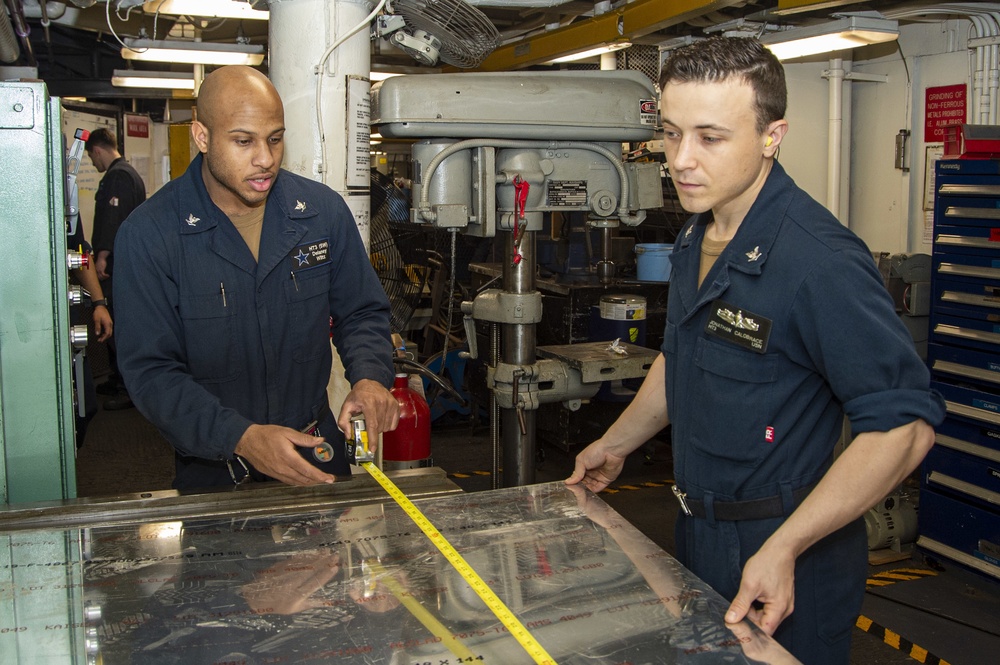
x=898, y=575
x=897, y=641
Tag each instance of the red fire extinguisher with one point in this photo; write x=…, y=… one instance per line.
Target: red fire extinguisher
x=409, y=445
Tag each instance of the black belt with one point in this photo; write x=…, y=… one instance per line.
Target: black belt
x=734, y=511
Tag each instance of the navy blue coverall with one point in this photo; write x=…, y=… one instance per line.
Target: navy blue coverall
x=791, y=329
x=212, y=341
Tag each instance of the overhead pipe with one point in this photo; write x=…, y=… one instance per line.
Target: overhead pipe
x=984, y=60
x=21, y=29
x=51, y=10
x=836, y=133
x=9, y=50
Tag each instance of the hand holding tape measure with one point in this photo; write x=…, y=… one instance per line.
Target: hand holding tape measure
x=358, y=452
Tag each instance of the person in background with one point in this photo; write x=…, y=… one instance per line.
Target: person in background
x=120, y=191
x=228, y=279
x=778, y=325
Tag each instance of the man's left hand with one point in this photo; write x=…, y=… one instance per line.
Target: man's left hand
x=380, y=408
x=768, y=578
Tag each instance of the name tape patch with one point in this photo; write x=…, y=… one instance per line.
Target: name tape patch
x=309, y=255
x=739, y=326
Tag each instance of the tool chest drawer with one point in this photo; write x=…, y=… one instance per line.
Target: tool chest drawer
x=961, y=531
x=977, y=406
x=967, y=331
x=969, y=212
x=963, y=240
x=960, y=364
x=974, y=298
x=975, y=264
x=974, y=432
x=975, y=477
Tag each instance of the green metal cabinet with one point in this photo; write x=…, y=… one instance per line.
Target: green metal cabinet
x=37, y=441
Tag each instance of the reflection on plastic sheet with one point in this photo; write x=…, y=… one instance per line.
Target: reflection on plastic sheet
x=363, y=585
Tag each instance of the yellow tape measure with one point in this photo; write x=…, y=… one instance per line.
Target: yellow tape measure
x=482, y=589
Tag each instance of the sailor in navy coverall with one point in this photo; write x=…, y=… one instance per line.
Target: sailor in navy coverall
x=228, y=356
x=765, y=350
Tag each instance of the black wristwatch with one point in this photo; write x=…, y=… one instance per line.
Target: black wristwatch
x=99, y=302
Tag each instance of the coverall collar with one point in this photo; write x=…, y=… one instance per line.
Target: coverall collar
x=288, y=206
x=746, y=252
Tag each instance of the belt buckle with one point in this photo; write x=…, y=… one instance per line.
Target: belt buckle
x=682, y=499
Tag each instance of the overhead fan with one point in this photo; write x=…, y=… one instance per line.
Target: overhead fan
x=451, y=31
x=403, y=278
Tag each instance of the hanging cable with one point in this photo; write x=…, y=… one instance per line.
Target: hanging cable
x=320, y=72
x=451, y=303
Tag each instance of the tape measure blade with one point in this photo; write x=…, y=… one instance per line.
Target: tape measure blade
x=471, y=577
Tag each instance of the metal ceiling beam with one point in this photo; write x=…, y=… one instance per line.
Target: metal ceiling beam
x=797, y=6
x=627, y=22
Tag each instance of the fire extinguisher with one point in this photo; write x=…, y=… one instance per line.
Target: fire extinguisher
x=409, y=445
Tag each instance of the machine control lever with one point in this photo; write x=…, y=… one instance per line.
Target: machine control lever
x=519, y=403
x=469, y=323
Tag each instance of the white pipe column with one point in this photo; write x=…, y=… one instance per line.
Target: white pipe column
x=335, y=152
x=326, y=140
x=980, y=99
x=834, y=151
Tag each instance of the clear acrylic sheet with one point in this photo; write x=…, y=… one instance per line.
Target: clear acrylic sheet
x=362, y=584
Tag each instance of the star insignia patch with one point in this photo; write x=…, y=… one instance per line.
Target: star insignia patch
x=192, y=220
x=302, y=258
x=754, y=254
x=300, y=205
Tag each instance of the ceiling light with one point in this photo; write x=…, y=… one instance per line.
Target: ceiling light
x=845, y=33
x=129, y=78
x=192, y=53
x=590, y=53
x=206, y=8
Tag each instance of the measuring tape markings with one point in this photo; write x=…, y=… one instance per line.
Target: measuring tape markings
x=485, y=593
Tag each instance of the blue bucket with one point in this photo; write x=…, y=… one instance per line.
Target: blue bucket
x=653, y=262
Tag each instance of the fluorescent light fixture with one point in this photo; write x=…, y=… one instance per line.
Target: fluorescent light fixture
x=845, y=33
x=206, y=8
x=128, y=78
x=590, y=53
x=192, y=53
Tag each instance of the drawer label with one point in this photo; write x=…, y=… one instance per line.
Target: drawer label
x=986, y=406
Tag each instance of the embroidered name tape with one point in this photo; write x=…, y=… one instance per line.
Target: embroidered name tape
x=309, y=255
x=739, y=326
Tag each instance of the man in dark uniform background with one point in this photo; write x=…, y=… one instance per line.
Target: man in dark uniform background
x=120, y=192
x=778, y=325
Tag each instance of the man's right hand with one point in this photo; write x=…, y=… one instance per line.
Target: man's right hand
x=272, y=451
x=596, y=467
